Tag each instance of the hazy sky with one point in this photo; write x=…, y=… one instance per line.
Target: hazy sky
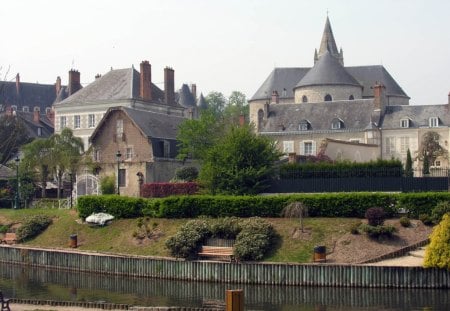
x=226, y=45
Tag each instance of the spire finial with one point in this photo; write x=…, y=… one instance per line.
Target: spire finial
x=327, y=12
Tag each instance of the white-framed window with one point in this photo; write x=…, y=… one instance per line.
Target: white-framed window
x=336, y=124
x=303, y=125
x=91, y=120
x=434, y=122
x=404, y=123
x=26, y=109
x=308, y=147
x=76, y=122
x=288, y=146
x=129, y=153
x=62, y=122
x=437, y=163
x=48, y=110
x=119, y=127
x=389, y=145
x=36, y=108
x=404, y=144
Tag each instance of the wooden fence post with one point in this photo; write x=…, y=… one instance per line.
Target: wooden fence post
x=234, y=300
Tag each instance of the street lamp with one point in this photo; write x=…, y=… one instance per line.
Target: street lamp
x=118, y=155
x=140, y=182
x=16, y=200
x=71, y=189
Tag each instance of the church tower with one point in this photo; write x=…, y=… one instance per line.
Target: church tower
x=329, y=44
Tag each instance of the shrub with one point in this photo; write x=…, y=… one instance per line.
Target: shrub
x=437, y=253
x=378, y=231
x=4, y=228
x=161, y=190
x=187, y=242
x=375, y=216
x=255, y=239
x=405, y=222
x=439, y=211
x=425, y=219
x=421, y=203
x=108, y=185
x=354, y=229
x=118, y=206
x=226, y=228
x=189, y=173
x=32, y=227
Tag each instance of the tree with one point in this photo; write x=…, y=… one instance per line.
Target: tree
x=216, y=103
x=430, y=149
x=437, y=253
x=296, y=210
x=13, y=134
x=408, y=165
x=240, y=162
x=237, y=106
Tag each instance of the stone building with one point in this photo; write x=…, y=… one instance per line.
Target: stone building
x=300, y=108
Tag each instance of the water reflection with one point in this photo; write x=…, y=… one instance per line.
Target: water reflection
x=28, y=282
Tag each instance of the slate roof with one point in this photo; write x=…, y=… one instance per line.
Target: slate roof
x=355, y=114
x=201, y=103
x=118, y=84
x=186, y=99
x=418, y=115
x=327, y=71
x=30, y=94
x=328, y=43
x=6, y=172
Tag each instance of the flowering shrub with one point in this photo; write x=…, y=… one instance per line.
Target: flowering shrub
x=161, y=190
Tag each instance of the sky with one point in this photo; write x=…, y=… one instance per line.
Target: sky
x=226, y=46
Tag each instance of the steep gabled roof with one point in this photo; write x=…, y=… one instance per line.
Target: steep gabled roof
x=201, y=103
x=47, y=128
x=418, y=115
x=280, y=79
x=327, y=71
x=328, y=44
x=118, y=84
x=186, y=99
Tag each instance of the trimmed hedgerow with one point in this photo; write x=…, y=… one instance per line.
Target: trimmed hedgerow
x=439, y=211
x=421, y=203
x=118, y=206
x=32, y=227
x=165, y=189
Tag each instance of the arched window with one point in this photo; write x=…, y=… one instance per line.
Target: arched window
x=304, y=99
x=328, y=98
x=351, y=97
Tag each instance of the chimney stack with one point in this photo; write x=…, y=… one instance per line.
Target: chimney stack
x=58, y=85
x=275, y=97
x=146, y=81
x=74, y=81
x=98, y=76
x=18, y=84
x=51, y=115
x=379, y=95
x=36, y=117
x=169, y=86
x=194, y=90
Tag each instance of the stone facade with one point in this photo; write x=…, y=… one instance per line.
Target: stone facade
x=317, y=93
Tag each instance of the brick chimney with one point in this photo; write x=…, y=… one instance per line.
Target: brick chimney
x=379, y=95
x=51, y=115
x=98, y=76
x=241, y=120
x=275, y=97
x=169, y=86
x=36, y=117
x=58, y=85
x=74, y=81
x=194, y=90
x=145, y=91
x=18, y=84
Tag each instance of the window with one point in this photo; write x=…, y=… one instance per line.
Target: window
x=260, y=119
x=351, y=97
x=96, y=155
x=304, y=125
x=48, y=110
x=308, y=147
x=288, y=146
x=129, y=153
x=304, y=99
x=76, y=122
x=404, y=144
x=328, y=98
x=119, y=128
x=91, y=120
x=437, y=163
x=26, y=109
x=36, y=108
x=39, y=131
x=434, y=122
x=122, y=177
x=336, y=124
x=284, y=92
x=62, y=122
x=404, y=123
x=390, y=145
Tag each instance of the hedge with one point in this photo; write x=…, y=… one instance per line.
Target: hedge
x=165, y=189
x=319, y=205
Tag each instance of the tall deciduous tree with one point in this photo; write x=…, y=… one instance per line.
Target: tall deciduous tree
x=13, y=134
x=430, y=149
x=240, y=162
x=237, y=106
x=216, y=103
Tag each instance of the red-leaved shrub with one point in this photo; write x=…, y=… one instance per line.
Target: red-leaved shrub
x=165, y=189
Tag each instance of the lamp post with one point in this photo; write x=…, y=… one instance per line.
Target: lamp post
x=140, y=182
x=118, y=155
x=71, y=189
x=16, y=200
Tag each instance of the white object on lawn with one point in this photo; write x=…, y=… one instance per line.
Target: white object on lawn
x=99, y=218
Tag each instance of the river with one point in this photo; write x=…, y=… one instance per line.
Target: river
x=37, y=283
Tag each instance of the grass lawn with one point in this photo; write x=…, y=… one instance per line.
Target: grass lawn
x=118, y=237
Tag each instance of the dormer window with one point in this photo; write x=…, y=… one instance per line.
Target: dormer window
x=39, y=131
x=26, y=109
x=48, y=110
x=36, y=108
x=337, y=124
x=304, y=125
x=433, y=122
x=328, y=98
x=351, y=97
x=404, y=123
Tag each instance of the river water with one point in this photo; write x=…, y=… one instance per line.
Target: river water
x=37, y=283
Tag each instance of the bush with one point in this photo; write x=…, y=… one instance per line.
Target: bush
x=255, y=239
x=161, y=190
x=108, y=185
x=32, y=227
x=186, y=174
x=437, y=253
x=354, y=229
x=378, y=231
x=421, y=203
x=405, y=222
x=187, y=242
x=426, y=219
x=226, y=228
x=118, y=206
x=4, y=228
x=439, y=211
x=375, y=216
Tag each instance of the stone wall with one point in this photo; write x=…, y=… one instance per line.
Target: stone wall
x=317, y=93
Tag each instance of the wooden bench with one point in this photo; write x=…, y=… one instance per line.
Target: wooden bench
x=10, y=238
x=4, y=302
x=217, y=251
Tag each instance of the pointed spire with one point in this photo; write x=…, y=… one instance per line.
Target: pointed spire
x=328, y=43
x=316, y=57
